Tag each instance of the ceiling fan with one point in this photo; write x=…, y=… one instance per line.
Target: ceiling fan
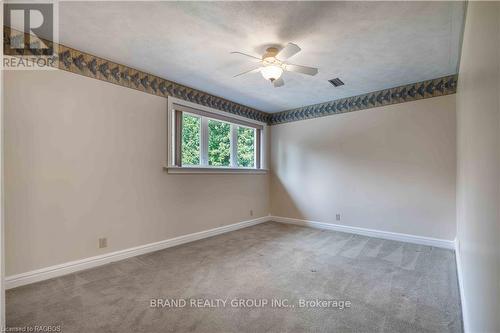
x=273, y=63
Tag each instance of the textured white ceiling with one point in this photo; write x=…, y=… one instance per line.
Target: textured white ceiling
x=369, y=45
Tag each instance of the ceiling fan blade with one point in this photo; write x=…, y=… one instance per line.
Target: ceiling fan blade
x=253, y=70
x=246, y=55
x=278, y=82
x=288, y=51
x=301, y=69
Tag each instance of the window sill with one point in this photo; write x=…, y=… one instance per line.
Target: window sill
x=201, y=170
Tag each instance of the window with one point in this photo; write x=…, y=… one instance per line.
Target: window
x=207, y=139
x=246, y=147
x=219, y=143
x=191, y=130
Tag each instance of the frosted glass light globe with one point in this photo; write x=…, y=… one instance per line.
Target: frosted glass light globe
x=271, y=72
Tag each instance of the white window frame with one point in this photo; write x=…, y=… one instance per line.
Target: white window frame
x=204, y=167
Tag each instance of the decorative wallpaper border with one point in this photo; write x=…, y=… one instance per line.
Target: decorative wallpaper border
x=82, y=63
x=411, y=92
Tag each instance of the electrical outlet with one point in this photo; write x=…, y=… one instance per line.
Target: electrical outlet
x=337, y=217
x=103, y=242
x=251, y=212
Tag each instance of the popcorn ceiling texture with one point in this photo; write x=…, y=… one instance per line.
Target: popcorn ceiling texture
x=370, y=45
x=89, y=65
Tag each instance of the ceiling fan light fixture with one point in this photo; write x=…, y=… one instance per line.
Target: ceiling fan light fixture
x=274, y=62
x=271, y=72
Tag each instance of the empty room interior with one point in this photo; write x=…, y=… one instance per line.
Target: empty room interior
x=250, y=166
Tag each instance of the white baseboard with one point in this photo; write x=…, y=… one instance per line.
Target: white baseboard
x=461, y=289
x=442, y=243
x=77, y=265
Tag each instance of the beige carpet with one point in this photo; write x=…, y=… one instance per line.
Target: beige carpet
x=368, y=285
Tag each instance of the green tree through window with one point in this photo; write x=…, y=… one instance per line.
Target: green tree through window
x=191, y=128
x=246, y=147
x=219, y=143
x=209, y=142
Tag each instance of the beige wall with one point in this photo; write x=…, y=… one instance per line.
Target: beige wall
x=83, y=160
x=391, y=168
x=478, y=200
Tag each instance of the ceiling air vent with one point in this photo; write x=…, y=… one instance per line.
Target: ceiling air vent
x=336, y=82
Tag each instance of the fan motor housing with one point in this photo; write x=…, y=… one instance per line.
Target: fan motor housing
x=271, y=52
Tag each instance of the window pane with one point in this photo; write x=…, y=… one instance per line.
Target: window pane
x=191, y=128
x=219, y=146
x=246, y=147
